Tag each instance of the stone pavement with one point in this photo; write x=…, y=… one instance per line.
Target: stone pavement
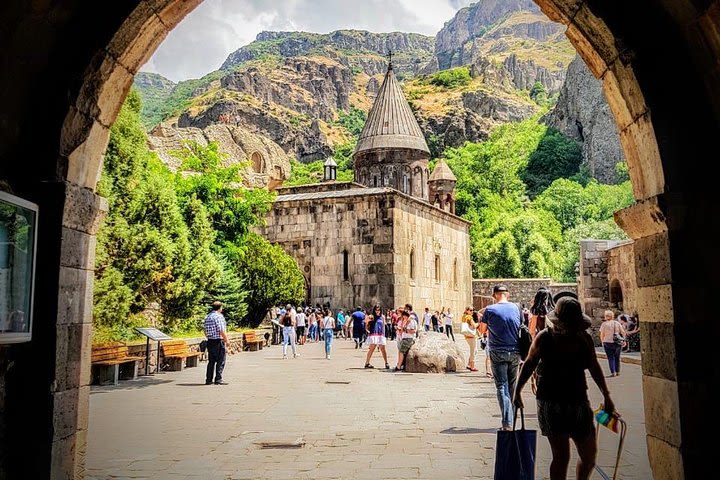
x=352, y=423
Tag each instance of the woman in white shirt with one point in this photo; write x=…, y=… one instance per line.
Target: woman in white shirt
x=608, y=329
x=449, y=324
x=328, y=329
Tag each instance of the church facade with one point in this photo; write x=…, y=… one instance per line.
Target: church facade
x=390, y=237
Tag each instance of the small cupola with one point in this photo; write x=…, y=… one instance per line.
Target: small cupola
x=329, y=170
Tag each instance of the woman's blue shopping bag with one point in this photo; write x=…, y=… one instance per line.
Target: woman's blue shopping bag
x=515, y=452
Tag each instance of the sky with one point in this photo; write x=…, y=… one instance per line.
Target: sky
x=217, y=28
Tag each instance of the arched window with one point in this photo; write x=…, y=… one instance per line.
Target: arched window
x=412, y=263
x=405, y=186
x=437, y=268
x=455, y=282
x=346, y=266
x=375, y=182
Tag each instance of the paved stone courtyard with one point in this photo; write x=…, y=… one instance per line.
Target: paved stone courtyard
x=353, y=423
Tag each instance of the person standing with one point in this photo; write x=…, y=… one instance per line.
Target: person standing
x=449, y=324
x=427, y=319
x=608, y=328
x=288, y=323
x=407, y=327
x=434, y=320
x=560, y=354
x=471, y=338
x=215, y=332
x=358, y=327
x=328, y=331
x=503, y=320
x=300, y=328
x=376, y=337
x=340, y=323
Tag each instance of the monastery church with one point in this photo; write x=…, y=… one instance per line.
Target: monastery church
x=390, y=237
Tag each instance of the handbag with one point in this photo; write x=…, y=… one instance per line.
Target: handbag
x=618, y=339
x=515, y=452
x=466, y=330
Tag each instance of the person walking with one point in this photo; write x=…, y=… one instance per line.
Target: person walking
x=328, y=331
x=215, y=332
x=435, y=319
x=376, y=337
x=340, y=324
x=358, y=327
x=542, y=305
x=503, y=320
x=471, y=338
x=288, y=323
x=608, y=329
x=449, y=324
x=560, y=354
x=427, y=319
x=300, y=327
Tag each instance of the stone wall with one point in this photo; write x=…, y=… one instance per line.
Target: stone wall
x=377, y=230
x=522, y=290
x=433, y=237
x=317, y=232
x=621, y=278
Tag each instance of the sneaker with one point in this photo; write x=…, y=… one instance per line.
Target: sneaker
x=328, y=357
x=387, y=367
x=221, y=383
x=208, y=383
x=367, y=365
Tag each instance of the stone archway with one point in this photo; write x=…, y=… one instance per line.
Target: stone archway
x=658, y=61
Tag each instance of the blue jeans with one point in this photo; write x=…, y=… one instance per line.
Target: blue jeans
x=328, y=333
x=312, y=332
x=504, y=367
x=288, y=339
x=612, y=350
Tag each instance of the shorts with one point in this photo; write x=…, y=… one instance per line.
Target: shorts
x=406, y=344
x=300, y=331
x=574, y=420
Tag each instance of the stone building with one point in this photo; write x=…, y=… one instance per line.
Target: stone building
x=378, y=239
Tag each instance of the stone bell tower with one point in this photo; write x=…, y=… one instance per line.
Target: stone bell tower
x=391, y=150
x=442, y=187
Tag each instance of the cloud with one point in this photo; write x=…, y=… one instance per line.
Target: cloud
x=216, y=28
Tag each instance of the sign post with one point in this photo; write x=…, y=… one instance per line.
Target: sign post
x=156, y=335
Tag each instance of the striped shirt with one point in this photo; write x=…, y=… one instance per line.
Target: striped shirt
x=214, y=324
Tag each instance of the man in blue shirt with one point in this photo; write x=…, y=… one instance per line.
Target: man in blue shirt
x=215, y=331
x=503, y=320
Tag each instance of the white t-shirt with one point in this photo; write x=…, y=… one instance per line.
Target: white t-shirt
x=300, y=319
x=448, y=318
x=428, y=318
x=411, y=325
x=328, y=322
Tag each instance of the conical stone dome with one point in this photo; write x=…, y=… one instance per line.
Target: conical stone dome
x=391, y=123
x=442, y=172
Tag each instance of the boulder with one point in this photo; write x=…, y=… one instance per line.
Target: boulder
x=434, y=353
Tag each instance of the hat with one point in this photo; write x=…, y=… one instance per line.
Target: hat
x=500, y=288
x=568, y=315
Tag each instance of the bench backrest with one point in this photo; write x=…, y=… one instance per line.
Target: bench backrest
x=109, y=351
x=250, y=336
x=174, y=347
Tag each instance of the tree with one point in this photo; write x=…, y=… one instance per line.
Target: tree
x=538, y=93
x=556, y=157
x=270, y=276
x=570, y=248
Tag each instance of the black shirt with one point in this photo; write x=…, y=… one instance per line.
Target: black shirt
x=563, y=361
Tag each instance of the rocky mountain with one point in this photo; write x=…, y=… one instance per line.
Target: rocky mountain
x=512, y=33
x=582, y=113
x=356, y=49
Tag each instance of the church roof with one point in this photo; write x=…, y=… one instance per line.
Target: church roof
x=442, y=172
x=391, y=123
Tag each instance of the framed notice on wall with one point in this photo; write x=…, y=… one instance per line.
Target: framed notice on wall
x=18, y=241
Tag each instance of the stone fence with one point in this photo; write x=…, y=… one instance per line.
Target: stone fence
x=522, y=290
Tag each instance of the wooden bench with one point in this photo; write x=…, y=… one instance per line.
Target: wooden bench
x=252, y=342
x=111, y=363
x=177, y=353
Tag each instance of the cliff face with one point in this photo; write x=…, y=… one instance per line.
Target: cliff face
x=511, y=33
x=582, y=113
x=353, y=48
x=265, y=164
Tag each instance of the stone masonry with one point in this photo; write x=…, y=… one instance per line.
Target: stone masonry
x=522, y=290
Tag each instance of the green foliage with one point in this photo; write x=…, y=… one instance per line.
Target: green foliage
x=161, y=106
x=312, y=172
x=622, y=171
x=538, y=93
x=556, y=156
x=353, y=121
x=171, y=239
x=451, y=78
x=270, y=276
